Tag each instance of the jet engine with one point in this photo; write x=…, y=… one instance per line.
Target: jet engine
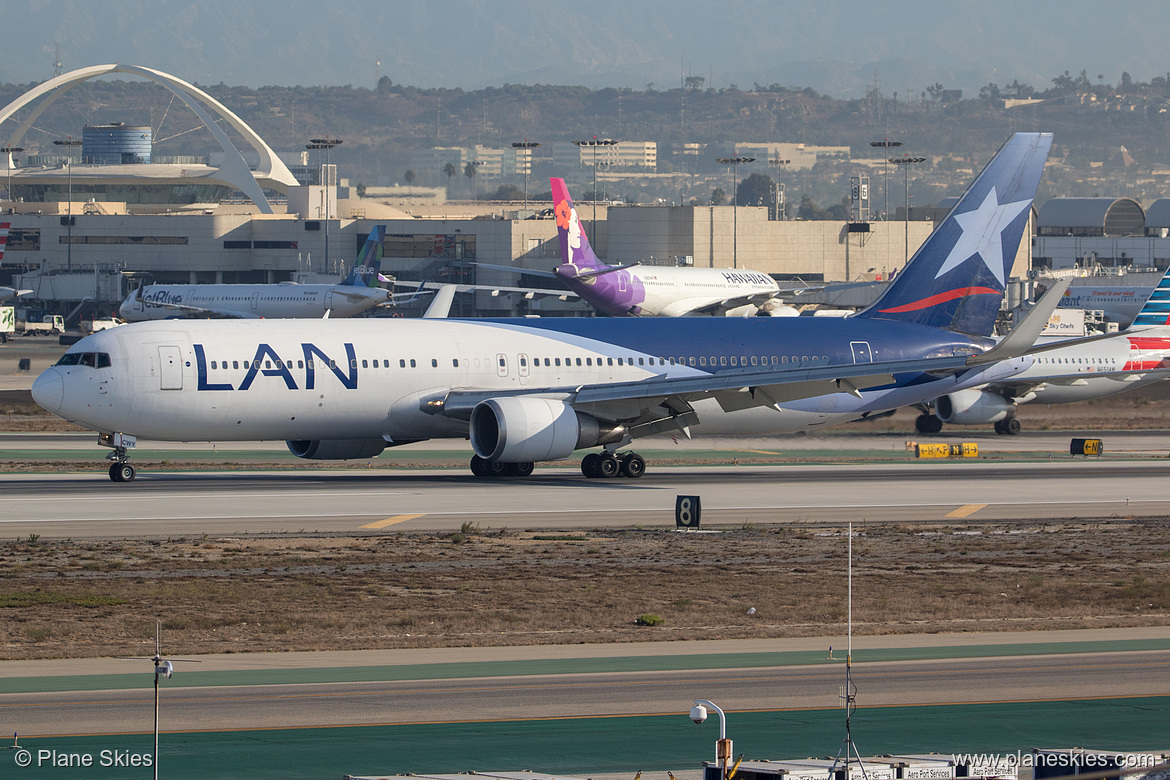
x=336, y=449
x=973, y=407
x=519, y=430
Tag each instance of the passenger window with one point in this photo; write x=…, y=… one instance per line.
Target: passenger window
x=365, y=364
x=692, y=361
x=609, y=361
x=588, y=361
x=455, y=362
x=412, y=364
x=235, y=364
x=703, y=361
x=213, y=365
x=578, y=361
x=353, y=362
x=558, y=361
x=402, y=363
x=268, y=364
x=641, y=361
x=546, y=361
x=434, y=363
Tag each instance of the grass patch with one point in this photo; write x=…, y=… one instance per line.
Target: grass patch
x=49, y=597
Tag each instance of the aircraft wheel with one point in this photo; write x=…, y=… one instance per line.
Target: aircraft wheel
x=923, y=423
x=935, y=424
x=523, y=469
x=608, y=466
x=478, y=466
x=1011, y=426
x=590, y=467
x=122, y=472
x=999, y=427
x=633, y=465
x=497, y=468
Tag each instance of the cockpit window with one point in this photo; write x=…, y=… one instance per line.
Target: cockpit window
x=91, y=359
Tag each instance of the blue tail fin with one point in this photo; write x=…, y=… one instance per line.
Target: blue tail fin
x=956, y=279
x=1157, y=308
x=369, y=261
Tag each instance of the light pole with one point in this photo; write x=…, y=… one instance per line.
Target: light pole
x=886, y=144
x=779, y=198
x=10, y=150
x=906, y=161
x=528, y=146
x=723, y=749
x=734, y=162
x=596, y=142
x=326, y=144
x=69, y=143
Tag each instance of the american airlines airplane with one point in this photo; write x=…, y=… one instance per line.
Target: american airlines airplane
x=532, y=390
x=1068, y=374
x=1119, y=304
x=359, y=292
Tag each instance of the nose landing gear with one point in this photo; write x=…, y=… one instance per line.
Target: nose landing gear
x=120, y=470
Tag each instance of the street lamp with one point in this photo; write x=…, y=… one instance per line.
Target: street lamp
x=596, y=142
x=69, y=143
x=528, y=146
x=734, y=162
x=779, y=197
x=723, y=749
x=906, y=161
x=10, y=150
x=326, y=144
x=886, y=144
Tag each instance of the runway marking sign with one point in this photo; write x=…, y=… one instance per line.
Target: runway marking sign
x=966, y=510
x=391, y=521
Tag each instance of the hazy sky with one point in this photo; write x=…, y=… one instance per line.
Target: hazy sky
x=835, y=46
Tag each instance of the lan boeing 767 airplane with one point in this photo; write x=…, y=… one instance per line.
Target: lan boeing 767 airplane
x=530, y=390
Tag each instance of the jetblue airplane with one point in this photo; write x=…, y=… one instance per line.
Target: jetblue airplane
x=287, y=300
x=1068, y=374
x=531, y=390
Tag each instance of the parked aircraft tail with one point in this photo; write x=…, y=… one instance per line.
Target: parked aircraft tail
x=1157, y=309
x=578, y=256
x=956, y=280
x=369, y=261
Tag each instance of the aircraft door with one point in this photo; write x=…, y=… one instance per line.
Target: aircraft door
x=522, y=368
x=170, y=361
x=255, y=301
x=861, y=352
x=623, y=281
x=329, y=301
x=501, y=365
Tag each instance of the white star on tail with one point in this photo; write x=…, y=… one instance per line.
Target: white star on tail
x=986, y=242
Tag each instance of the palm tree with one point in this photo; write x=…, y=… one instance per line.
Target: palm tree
x=449, y=170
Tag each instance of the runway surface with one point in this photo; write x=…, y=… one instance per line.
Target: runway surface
x=162, y=504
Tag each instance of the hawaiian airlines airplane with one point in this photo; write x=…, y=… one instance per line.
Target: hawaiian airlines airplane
x=655, y=291
x=1076, y=372
x=532, y=390
x=287, y=300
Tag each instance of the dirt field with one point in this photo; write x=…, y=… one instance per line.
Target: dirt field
x=495, y=587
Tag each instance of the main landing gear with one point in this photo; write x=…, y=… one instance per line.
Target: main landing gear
x=120, y=469
x=1009, y=427
x=607, y=464
x=494, y=468
x=928, y=423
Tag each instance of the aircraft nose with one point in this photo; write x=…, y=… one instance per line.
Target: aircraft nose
x=49, y=390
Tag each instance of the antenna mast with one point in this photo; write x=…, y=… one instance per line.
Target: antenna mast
x=848, y=693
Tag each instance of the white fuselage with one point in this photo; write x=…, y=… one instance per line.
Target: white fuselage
x=370, y=379
x=1082, y=372
x=673, y=291
x=270, y=301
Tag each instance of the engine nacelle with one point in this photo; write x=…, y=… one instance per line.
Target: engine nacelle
x=973, y=407
x=335, y=449
x=521, y=430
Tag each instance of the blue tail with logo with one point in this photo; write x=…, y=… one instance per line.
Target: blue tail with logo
x=956, y=280
x=1157, y=308
x=369, y=261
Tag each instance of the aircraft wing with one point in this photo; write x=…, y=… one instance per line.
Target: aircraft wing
x=527, y=292
x=653, y=400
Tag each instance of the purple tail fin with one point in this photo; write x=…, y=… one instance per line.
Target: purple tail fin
x=575, y=249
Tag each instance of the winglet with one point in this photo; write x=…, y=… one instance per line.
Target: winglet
x=1024, y=335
